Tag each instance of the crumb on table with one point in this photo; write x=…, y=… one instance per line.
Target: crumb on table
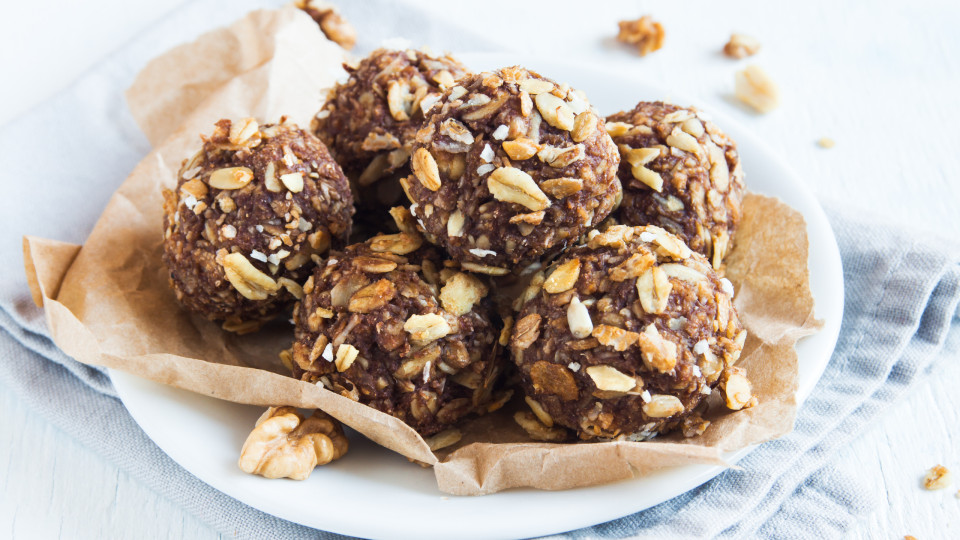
x=645, y=33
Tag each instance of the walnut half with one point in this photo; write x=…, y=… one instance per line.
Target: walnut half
x=284, y=445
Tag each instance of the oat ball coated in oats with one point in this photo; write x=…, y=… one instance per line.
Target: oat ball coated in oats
x=250, y=209
x=627, y=335
x=679, y=172
x=509, y=167
x=369, y=121
x=387, y=324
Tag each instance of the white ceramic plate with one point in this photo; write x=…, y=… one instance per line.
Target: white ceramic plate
x=376, y=493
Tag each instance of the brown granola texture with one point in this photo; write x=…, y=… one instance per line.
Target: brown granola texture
x=369, y=122
x=387, y=324
x=510, y=167
x=680, y=172
x=626, y=335
x=250, y=209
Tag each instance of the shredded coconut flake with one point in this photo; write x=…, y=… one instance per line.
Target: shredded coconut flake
x=696, y=371
x=258, y=256
x=487, y=154
x=727, y=286
x=486, y=168
x=501, y=132
x=574, y=366
x=273, y=259
x=426, y=372
x=413, y=209
x=259, y=228
x=327, y=353
x=705, y=390
x=331, y=261
x=647, y=236
x=190, y=201
x=483, y=252
x=701, y=347
x=645, y=396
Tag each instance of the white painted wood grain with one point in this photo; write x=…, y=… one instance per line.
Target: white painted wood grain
x=879, y=77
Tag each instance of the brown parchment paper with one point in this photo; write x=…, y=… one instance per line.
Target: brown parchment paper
x=108, y=302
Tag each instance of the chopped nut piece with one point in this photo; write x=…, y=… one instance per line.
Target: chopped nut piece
x=284, y=445
x=938, y=477
x=525, y=331
x=578, y=319
x=536, y=430
x=230, y=178
x=425, y=169
x=653, y=288
x=563, y=278
x=293, y=181
x=346, y=354
x=755, y=88
x=555, y=111
x=611, y=379
x=461, y=292
x=584, y=126
x=246, y=278
x=242, y=130
x=455, y=223
x=741, y=46
x=645, y=33
x=611, y=336
x=736, y=388
x=509, y=184
x=429, y=327
x=550, y=378
x=658, y=353
x=662, y=406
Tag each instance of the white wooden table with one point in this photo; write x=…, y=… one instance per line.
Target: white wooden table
x=880, y=78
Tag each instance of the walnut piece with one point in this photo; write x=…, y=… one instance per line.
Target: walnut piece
x=645, y=33
x=741, y=46
x=284, y=445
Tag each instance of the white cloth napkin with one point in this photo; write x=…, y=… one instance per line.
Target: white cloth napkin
x=900, y=310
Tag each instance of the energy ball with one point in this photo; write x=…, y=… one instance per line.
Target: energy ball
x=387, y=324
x=369, y=122
x=681, y=173
x=510, y=167
x=250, y=209
x=626, y=335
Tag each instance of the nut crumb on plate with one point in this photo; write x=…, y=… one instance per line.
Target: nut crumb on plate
x=645, y=33
x=755, y=88
x=741, y=46
x=826, y=142
x=938, y=477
